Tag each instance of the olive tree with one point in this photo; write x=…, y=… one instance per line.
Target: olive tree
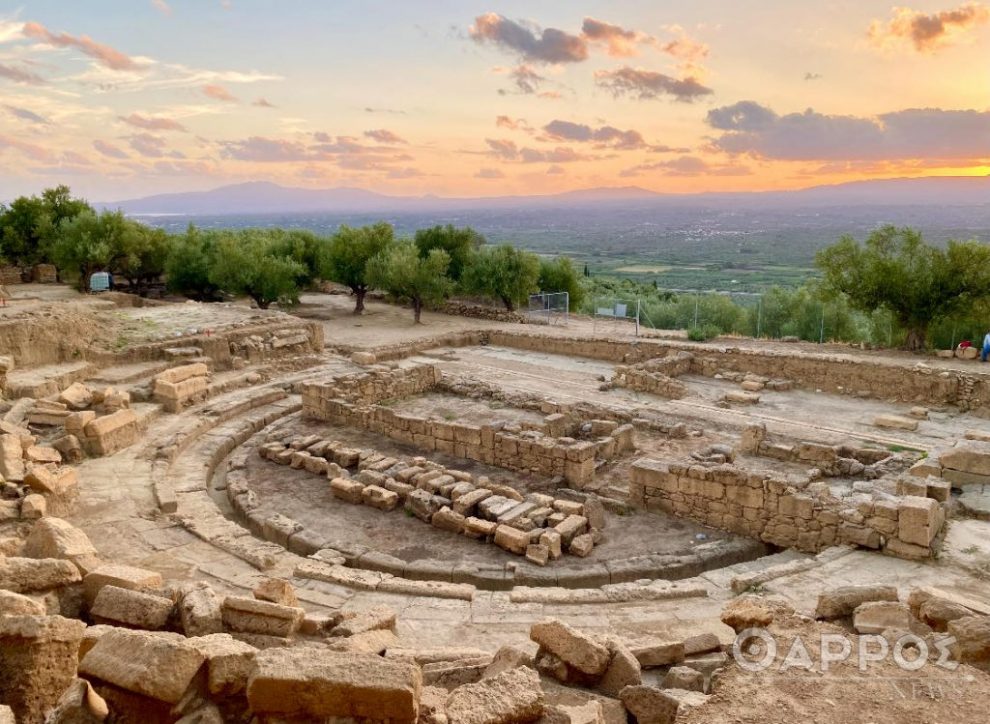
x=504, y=273
x=248, y=263
x=895, y=270
x=403, y=273
x=345, y=257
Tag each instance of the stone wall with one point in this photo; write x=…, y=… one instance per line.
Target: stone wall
x=656, y=376
x=179, y=387
x=551, y=451
x=480, y=311
x=788, y=512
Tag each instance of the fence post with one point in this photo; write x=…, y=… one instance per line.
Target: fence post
x=759, y=315
x=821, y=333
x=637, y=317
x=697, y=299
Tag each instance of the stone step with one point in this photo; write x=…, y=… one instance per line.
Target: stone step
x=47, y=380
x=126, y=374
x=975, y=502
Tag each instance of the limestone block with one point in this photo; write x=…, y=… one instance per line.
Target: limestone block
x=319, y=684
x=919, y=520
x=76, y=396
x=972, y=640
x=658, y=653
x=571, y=526
x=511, y=696
x=875, y=617
x=111, y=433
x=14, y=604
x=447, y=519
x=347, y=490
x=512, y=539
x=229, y=662
x=423, y=504
x=33, y=507
x=895, y=422
x=121, y=576
x=199, y=609
x=11, y=460
x=843, y=601
x=183, y=372
x=57, y=538
x=623, y=669
x=479, y=528
x=151, y=664
x=378, y=618
x=571, y=646
x=380, y=498
x=276, y=590
x=467, y=503
x=538, y=554
x=42, y=455
x=968, y=456
x=581, y=545
x=30, y=575
x=134, y=609
x=247, y=615
x=38, y=662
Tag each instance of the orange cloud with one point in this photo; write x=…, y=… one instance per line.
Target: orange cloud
x=263, y=103
x=30, y=150
x=928, y=32
x=20, y=76
x=103, y=54
x=219, y=93
x=152, y=124
x=383, y=135
x=619, y=42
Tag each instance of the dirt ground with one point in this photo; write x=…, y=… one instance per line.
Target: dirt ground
x=881, y=693
x=306, y=498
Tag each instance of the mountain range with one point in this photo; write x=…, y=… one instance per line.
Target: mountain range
x=260, y=197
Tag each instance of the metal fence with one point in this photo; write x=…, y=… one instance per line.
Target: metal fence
x=616, y=315
x=548, y=308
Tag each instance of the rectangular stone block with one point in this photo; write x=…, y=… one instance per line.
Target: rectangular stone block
x=248, y=615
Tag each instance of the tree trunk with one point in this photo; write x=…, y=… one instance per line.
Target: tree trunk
x=417, y=310
x=917, y=337
x=508, y=304
x=262, y=303
x=359, y=300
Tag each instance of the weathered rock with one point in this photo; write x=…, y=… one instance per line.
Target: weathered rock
x=134, y=609
x=276, y=590
x=38, y=657
x=746, y=612
x=57, y=538
x=29, y=575
x=938, y=613
x=658, y=653
x=247, y=615
x=199, y=610
x=895, y=422
x=14, y=604
x=684, y=677
x=229, y=662
x=121, y=576
x=582, y=545
x=511, y=697
x=972, y=640
x=375, y=619
x=650, y=705
x=841, y=602
x=968, y=456
x=155, y=665
x=512, y=539
x=875, y=617
x=318, y=684
x=506, y=658
x=574, y=648
x=623, y=670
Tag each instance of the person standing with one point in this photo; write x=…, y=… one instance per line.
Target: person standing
x=4, y=295
x=986, y=347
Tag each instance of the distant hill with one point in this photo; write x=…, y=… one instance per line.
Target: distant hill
x=261, y=197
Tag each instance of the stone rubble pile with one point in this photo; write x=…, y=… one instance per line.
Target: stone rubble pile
x=536, y=525
x=33, y=480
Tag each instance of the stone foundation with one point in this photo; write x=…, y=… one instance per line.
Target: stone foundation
x=788, y=512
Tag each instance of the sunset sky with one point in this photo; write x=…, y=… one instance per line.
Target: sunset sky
x=464, y=98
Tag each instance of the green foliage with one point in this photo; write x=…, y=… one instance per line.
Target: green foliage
x=250, y=262
x=344, y=259
x=299, y=245
x=145, y=254
x=896, y=271
x=559, y=275
x=805, y=313
x=30, y=225
x=459, y=243
x=403, y=273
x=91, y=242
x=504, y=273
x=187, y=268
x=703, y=333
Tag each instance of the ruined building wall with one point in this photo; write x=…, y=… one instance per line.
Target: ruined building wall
x=786, y=513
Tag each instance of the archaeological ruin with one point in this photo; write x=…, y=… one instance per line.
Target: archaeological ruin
x=214, y=513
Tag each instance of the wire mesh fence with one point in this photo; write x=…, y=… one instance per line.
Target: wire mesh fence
x=548, y=308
